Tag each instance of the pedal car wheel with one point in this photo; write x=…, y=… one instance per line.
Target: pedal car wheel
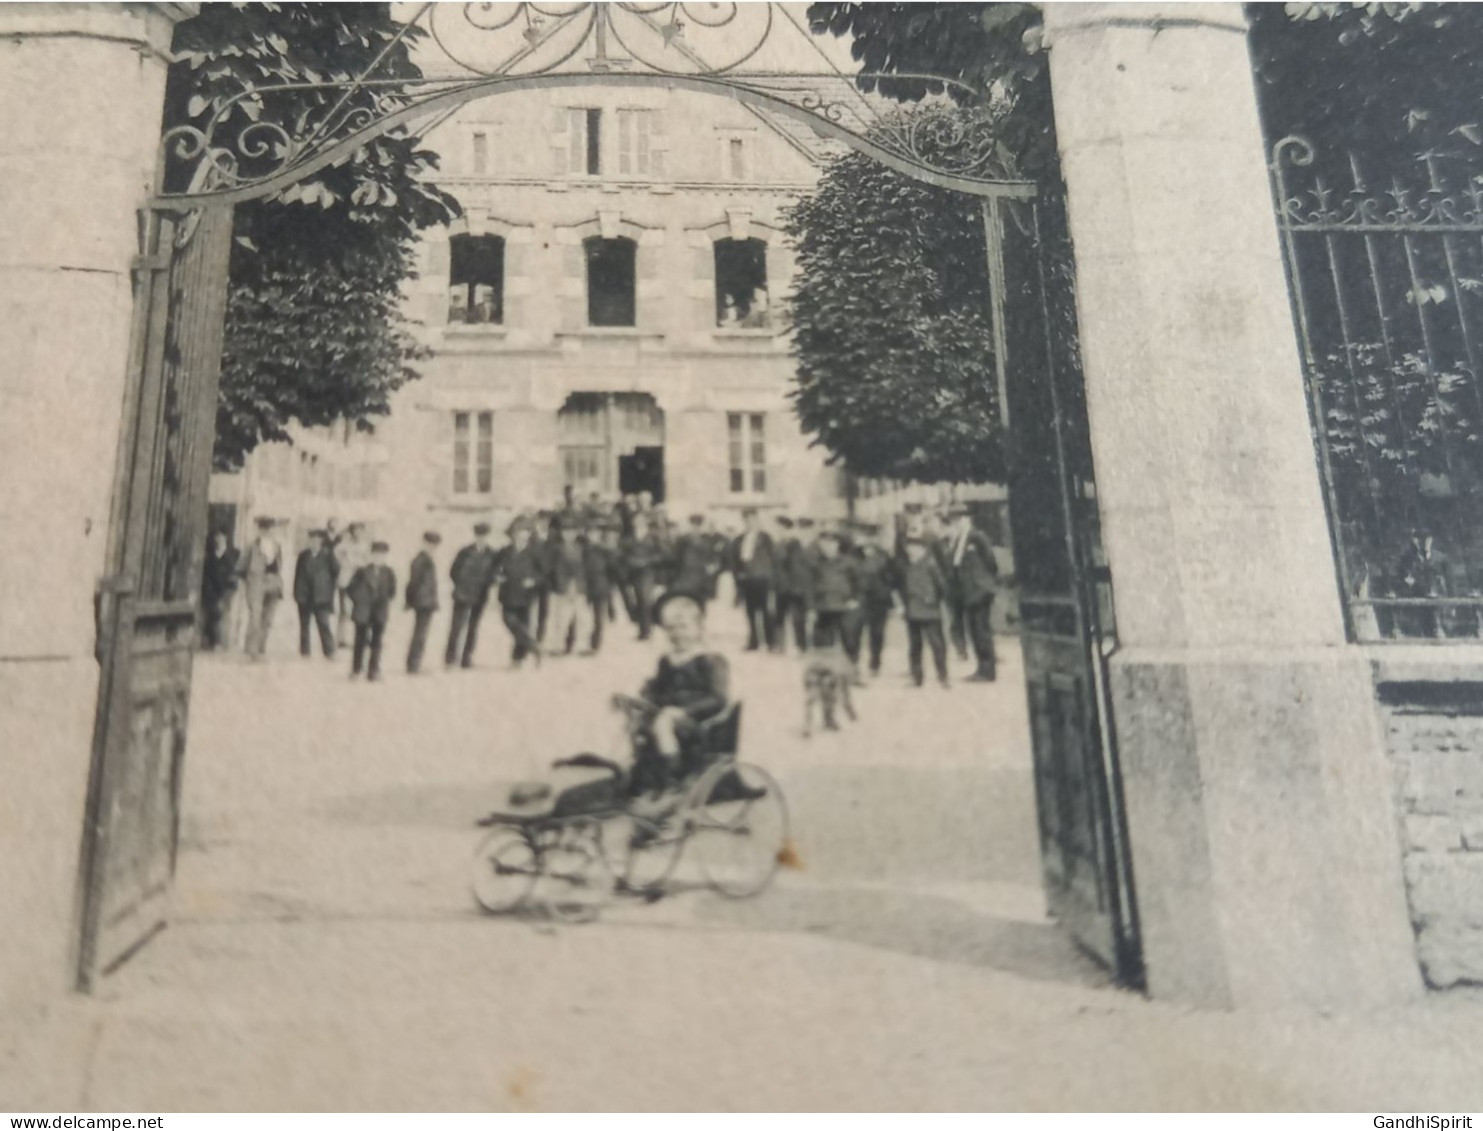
x=739, y=825
x=505, y=869
x=576, y=879
x=643, y=853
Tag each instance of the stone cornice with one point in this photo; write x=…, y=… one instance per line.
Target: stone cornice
x=144, y=27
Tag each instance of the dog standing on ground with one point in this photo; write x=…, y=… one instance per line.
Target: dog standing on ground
x=827, y=679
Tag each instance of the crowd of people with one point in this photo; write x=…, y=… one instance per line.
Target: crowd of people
x=562, y=579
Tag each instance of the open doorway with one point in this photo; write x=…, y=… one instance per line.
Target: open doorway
x=612, y=443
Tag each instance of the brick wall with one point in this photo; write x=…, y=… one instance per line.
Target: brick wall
x=1435, y=739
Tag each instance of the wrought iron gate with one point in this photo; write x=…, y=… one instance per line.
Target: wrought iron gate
x=146, y=606
x=1066, y=626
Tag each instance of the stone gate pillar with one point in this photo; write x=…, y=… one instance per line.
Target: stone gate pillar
x=83, y=86
x=1264, y=842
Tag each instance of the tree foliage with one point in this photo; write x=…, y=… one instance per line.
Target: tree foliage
x=891, y=320
x=314, y=329
x=891, y=326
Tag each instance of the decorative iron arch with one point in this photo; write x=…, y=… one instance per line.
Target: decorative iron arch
x=485, y=50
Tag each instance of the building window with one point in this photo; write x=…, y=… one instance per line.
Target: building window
x=473, y=453
x=748, y=452
x=638, y=153
x=584, y=141
x=736, y=159
x=476, y=279
x=610, y=281
x=481, y=152
x=741, y=284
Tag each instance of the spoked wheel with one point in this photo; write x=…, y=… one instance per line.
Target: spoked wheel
x=505, y=869
x=739, y=824
x=575, y=878
x=642, y=853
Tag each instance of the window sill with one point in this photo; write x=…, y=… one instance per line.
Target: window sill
x=629, y=332
x=475, y=330
x=745, y=334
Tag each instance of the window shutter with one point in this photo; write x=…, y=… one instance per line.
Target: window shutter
x=627, y=121
x=560, y=141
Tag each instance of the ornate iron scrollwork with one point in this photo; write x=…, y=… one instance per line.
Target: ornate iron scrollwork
x=481, y=49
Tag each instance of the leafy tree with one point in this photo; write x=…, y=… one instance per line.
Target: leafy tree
x=314, y=328
x=891, y=326
x=891, y=316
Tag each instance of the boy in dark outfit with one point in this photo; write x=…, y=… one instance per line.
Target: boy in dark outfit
x=923, y=591
x=372, y=590
x=691, y=686
x=422, y=598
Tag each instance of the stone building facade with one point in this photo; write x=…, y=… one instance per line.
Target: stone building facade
x=608, y=313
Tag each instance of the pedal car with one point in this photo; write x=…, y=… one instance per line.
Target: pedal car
x=566, y=845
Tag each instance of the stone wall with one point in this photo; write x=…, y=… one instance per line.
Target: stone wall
x=1435, y=737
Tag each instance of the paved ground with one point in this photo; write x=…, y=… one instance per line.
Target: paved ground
x=325, y=953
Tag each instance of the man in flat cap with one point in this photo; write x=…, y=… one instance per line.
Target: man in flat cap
x=601, y=564
x=696, y=566
x=791, y=579
x=372, y=590
x=422, y=598
x=974, y=581
x=314, y=592
x=836, y=596
x=875, y=553
x=753, y=567
x=473, y=573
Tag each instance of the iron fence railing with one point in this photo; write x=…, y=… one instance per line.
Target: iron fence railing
x=1387, y=290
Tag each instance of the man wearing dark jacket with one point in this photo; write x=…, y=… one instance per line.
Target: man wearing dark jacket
x=877, y=582
x=218, y=583
x=473, y=574
x=975, y=576
x=641, y=552
x=600, y=561
x=696, y=566
x=752, y=567
x=792, y=578
x=422, y=598
x=522, y=570
x=372, y=590
x=314, y=593
x=836, y=597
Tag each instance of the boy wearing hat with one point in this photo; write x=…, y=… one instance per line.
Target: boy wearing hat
x=422, y=598
x=473, y=572
x=923, y=591
x=372, y=590
x=314, y=592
